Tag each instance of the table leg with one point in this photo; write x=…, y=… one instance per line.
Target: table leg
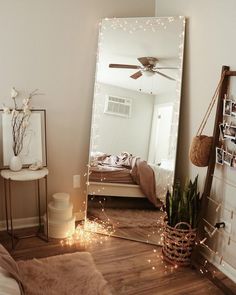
x=39, y=204
x=46, y=196
x=6, y=205
x=10, y=205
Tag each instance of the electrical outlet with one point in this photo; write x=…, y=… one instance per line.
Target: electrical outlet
x=227, y=227
x=76, y=181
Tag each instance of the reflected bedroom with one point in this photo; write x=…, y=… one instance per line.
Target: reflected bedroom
x=135, y=124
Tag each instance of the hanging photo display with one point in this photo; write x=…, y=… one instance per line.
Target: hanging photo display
x=227, y=132
x=225, y=157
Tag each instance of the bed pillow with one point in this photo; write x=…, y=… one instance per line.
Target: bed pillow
x=10, y=279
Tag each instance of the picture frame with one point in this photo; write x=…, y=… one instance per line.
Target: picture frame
x=34, y=143
x=227, y=107
x=219, y=156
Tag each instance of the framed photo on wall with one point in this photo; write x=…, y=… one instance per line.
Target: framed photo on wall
x=34, y=142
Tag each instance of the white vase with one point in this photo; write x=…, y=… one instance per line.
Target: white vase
x=15, y=163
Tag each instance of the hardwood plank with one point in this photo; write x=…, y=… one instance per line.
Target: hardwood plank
x=126, y=265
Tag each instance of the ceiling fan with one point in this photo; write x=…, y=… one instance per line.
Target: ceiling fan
x=148, y=66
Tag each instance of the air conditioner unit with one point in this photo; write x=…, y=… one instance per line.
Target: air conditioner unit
x=118, y=106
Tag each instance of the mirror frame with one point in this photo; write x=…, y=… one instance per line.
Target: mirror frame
x=161, y=21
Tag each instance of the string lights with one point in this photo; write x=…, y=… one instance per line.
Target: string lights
x=131, y=26
x=85, y=233
x=90, y=232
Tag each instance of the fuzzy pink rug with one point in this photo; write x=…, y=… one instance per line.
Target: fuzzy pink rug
x=68, y=274
x=126, y=218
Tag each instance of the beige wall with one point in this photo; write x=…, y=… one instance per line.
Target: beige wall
x=117, y=134
x=51, y=45
x=210, y=43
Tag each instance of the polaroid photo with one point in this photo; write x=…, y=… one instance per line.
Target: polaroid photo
x=228, y=158
x=230, y=131
x=227, y=107
x=233, y=108
x=222, y=130
x=219, y=156
x=233, y=164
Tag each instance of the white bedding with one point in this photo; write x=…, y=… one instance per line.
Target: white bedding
x=164, y=177
x=8, y=285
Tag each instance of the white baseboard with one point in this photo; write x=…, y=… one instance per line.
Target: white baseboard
x=224, y=267
x=20, y=223
x=33, y=221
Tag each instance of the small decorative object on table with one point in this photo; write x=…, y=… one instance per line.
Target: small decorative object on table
x=182, y=208
x=19, y=123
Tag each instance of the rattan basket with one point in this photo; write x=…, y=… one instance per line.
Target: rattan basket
x=178, y=243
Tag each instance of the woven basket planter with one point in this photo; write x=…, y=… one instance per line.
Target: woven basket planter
x=178, y=243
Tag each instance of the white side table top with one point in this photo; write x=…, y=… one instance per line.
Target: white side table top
x=24, y=174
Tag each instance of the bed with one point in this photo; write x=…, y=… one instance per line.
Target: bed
x=121, y=175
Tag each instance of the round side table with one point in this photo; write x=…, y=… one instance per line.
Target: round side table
x=24, y=175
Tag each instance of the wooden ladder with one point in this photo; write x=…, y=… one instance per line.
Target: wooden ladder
x=198, y=260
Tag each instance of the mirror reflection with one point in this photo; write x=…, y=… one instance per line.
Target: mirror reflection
x=135, y=124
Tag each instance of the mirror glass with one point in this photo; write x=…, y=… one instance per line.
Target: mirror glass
x=135, y=124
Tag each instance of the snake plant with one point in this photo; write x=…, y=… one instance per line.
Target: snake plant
x=183, y=205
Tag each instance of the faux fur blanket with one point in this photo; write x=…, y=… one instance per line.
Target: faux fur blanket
x=10, y=266
x=68, y=274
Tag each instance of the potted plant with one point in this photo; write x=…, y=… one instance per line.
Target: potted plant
x=182, y=209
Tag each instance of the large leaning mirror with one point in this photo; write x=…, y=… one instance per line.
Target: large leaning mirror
x=135, y=124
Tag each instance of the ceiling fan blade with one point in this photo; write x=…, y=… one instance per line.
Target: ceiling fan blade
x=148, y=61
x=136, y=75
x=121, y=66
x=165, y=68
x=168, y=77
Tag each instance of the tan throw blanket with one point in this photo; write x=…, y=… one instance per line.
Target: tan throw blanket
x=140, y=171
x=9, y=265
x=143, y=175
x=68, y=274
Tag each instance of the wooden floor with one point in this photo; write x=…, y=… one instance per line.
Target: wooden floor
x=129, y=267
